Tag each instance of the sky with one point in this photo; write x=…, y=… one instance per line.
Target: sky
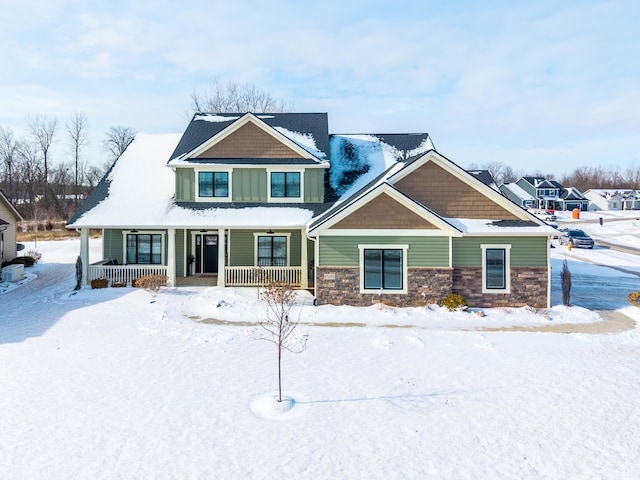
x=543, y=86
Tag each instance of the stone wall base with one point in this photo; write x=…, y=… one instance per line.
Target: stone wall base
x=341, y=286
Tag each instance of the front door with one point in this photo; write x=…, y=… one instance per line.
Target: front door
x=206, y=253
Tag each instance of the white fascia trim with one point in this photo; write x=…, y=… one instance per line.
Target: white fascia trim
x=507, y=267
x=380, y=291
x=383, y=233
x=213, y=168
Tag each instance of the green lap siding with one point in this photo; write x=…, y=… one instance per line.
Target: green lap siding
x=423, y=251
x=242, y=247
x=525, y=251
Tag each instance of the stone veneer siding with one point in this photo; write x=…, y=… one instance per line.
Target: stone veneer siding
x=341, y=286
x=528, y=287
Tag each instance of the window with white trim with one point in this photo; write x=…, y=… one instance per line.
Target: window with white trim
x=383, y=268
x=285, y=184
x=272, y=251
x=144, y=248
x=213, y=184
x=496, y=268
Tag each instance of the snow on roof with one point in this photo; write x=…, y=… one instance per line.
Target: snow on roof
x=141, y=194
x=519, y=191
x=303, y=140
x=490, y=227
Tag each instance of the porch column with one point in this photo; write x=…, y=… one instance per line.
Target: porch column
x=304, y=261
x=222, y=248
x=84, y=254
x=171, y=257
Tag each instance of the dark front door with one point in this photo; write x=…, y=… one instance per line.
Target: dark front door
x=206, y=253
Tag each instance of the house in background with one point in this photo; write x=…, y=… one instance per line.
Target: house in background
x=550, y=195
x=518, y=195
x=9, y=218
x=613, y=199
x=237, y=200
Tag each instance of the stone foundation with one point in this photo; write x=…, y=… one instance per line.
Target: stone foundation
x=341, y=286
x=528, y=287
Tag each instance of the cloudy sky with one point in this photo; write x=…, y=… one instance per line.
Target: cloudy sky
x=543, y=86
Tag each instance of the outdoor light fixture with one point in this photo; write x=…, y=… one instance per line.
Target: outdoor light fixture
x=134, y=231
x=269, y=232
x=203, y=231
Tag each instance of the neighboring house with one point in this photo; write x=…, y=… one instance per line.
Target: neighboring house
x=551, y=195
x=9, y=218
x=518, y=195
x=243, y=199
x=613, y=199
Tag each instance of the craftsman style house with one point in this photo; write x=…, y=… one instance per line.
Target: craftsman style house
x=9, y=218
x=237, y=200
x=538, y=192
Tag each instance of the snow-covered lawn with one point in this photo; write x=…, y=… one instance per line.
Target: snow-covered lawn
x=122, y=383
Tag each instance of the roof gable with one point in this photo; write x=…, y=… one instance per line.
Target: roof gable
x=249, y=136
x=12, y=210
x=451, y=192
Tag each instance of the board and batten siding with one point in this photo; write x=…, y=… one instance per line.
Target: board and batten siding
x=242, y=247
x=180, y=253
x=314, y=185
x=185, y=185
x=343, y=251
x=525, y=251
x=249, y=185
x=112, y=245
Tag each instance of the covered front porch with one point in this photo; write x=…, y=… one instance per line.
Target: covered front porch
x=203, y=256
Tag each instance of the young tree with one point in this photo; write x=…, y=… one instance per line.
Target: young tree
x=565, y=281
x=232, y=97
x=43, y=130
x=78, y=137
x=278, y=325
x=117, y=141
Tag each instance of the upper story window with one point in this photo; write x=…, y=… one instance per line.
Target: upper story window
x=213, y=184
x=285, y=185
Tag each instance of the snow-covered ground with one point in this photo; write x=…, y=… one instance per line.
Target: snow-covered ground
x=122, y=383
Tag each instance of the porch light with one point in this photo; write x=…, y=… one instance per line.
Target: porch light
x=134, y=231
x=203, y=231
x=270, y=232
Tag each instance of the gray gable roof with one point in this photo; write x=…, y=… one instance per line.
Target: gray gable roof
x=200, y=129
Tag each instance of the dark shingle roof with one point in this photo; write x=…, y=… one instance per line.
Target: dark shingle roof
x=199, y=131
x=97, y=195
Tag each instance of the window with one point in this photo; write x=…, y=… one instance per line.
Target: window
x=213, y=184
x=496, y=268
x=285, y=184
x=383, y=268
x=144, y=248
x=272, y=251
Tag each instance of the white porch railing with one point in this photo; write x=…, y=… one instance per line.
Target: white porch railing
x=124, y=273
x=256, y=276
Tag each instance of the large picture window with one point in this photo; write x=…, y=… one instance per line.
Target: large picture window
x=144, y=248
x=213, y=184
x=383, y=268
x=272, y=250
x=496, y=268
x=285, y=184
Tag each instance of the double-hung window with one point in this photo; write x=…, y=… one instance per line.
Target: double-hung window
x=144, y=248
x=496, y=265
x=383, y=268
x=285, y=184
x=272, y=251
x=213, y=184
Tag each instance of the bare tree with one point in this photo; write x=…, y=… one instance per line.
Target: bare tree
x=43, y=130
x=8, y=154
x=280, y=299
x=117, y=141
x=30, y=167
x=232, y=97
x=78, y=136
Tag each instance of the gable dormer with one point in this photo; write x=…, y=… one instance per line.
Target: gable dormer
x=275, y=158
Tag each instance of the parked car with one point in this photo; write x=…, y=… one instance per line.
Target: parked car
x=577, y=238
x=546, y=215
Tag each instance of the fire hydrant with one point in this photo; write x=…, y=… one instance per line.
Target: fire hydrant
x=569, y=246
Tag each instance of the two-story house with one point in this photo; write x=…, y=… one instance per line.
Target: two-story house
x=238, y=200
x=547, y=194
